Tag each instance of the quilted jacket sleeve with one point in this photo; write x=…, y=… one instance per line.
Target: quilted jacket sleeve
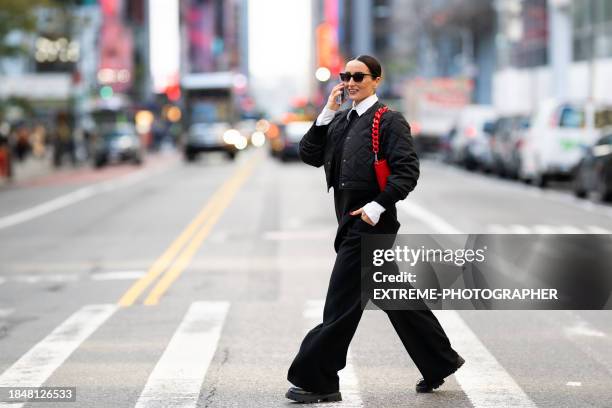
x=398, y=148
x=312, y=145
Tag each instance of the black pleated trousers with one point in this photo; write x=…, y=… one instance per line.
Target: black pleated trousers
x=323, y=351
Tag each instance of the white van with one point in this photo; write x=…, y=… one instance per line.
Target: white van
x=554, y=144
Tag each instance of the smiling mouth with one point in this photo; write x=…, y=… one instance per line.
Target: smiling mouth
x=353, y=91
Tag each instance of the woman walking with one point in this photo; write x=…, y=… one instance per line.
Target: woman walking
x=341, y=141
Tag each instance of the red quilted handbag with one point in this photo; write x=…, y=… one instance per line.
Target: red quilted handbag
x=381, y=167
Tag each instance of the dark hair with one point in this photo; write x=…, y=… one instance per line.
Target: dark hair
x=372, y=64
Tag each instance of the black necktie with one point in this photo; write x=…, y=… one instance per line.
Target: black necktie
x=351, y=119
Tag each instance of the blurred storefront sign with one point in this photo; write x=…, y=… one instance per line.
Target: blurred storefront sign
x=51, y=86
x=116, y=49
x=200, y=32
x=431, y=105
x=328, y=50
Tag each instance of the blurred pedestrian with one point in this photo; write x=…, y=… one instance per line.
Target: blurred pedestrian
x=341, y=141
x=64, y=141
x=5, y=151
x=22, y=142
x=39, y=142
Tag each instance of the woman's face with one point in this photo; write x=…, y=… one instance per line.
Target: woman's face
x=358, y=91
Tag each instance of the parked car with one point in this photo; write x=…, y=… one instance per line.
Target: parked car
x=506, y=143
x=470, y=142
x=594, y=172
x=211, y=137
x=117, y=143
x=287, y=145
x=553, y=145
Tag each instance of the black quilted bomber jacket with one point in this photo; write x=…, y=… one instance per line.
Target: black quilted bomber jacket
x=357, y=168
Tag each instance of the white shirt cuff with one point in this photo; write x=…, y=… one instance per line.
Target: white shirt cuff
x=325, y=117
x=373, y=211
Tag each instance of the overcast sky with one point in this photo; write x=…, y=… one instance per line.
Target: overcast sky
x=280, y=36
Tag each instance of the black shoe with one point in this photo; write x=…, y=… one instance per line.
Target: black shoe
x=424, y=386
x=300, y=395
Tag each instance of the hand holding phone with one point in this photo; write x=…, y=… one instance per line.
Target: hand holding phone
x=336, y=97
x=342, y=98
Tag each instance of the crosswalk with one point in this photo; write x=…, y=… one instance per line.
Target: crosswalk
x=545, y=229
x=349, y=384
x=178, y=376
x=37, y=365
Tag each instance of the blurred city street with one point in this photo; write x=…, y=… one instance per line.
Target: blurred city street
x=265, y=253
x=162, y=243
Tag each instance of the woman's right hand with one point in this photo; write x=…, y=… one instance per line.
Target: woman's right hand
x=333, y=96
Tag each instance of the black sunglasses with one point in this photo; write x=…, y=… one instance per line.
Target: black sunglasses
x=357, y=76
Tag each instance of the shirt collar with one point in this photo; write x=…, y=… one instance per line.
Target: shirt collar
x=364, y=105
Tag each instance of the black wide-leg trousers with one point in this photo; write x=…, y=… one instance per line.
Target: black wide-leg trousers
x=324, y=349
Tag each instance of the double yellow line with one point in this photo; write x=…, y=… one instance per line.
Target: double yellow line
x=190, y=239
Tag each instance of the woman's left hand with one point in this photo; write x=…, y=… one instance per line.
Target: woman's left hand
x=363, y=216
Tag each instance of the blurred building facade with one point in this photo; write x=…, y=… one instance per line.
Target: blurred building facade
x=554, y=48
x=76, y=49
x=516, y=52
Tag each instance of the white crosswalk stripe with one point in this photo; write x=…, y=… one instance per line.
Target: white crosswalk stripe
x=519, y=229
x=482, y=378
x=6, y=312
x=593, y=229
x=177, y=378
x=349, y=383
x=37, y=365
x=545, y=229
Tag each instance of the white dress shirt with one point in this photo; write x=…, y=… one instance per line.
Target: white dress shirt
x=372, y=209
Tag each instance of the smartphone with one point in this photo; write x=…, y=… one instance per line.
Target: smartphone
x=342, y=98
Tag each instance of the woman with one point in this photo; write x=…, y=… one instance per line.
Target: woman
x=340, y=140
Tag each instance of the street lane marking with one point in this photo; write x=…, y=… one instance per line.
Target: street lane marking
x=101, y=276
x=74, y=197
x=519, y=229
x=482, y=378
x=583, y=329
x=559, y=197
x=592, y=229
x=177, y=378
x=39, y=363
x=485, y=382
x=117, y=275
x=545, y=229
x=218, y=204
x=165, y=260
x=288, y=235
x=45, y=278
x=349, y=383
x=434, y=221
x=161, y=263
x=568, y=229
x=574, y=383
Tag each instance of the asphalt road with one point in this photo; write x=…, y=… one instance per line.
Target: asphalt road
x=193, y=285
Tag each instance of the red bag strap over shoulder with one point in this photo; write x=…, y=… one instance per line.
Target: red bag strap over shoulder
x=375, y=130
